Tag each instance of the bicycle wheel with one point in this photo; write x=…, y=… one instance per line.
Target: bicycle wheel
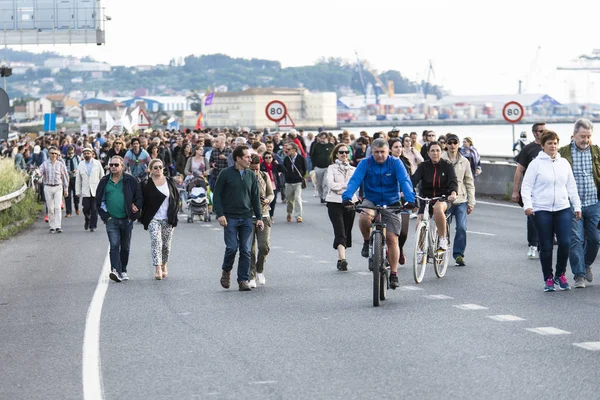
x=377, y=262
x=420, y=253
x=383, y=283
x=440, y=261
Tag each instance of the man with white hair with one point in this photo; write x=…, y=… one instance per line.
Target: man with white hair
x=239, y=141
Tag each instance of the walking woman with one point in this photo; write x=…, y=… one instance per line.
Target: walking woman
x=342, y=219
x=273, y=168
x=196, y=163
x=548, y=191
x=397, y=151
x=159, y=214
x=182, y=158
x=470, y=153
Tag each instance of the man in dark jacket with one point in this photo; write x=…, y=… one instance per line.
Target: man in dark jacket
x=320, y=154
x=295, y=166
x=236, y=198
x=119, y=203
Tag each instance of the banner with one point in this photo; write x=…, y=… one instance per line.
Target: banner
x=209, y=99
x=200, y=122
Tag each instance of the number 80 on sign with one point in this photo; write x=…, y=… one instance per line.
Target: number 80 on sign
x=276, y=111
x=513, y=112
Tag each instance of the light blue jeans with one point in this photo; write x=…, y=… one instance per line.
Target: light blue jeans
x=585, y=239
x=459, y=211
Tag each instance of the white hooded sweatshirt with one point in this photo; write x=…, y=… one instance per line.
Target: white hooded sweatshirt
x=549, y=185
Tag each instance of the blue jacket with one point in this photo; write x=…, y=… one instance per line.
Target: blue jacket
x=132, y=192
x=381, y=181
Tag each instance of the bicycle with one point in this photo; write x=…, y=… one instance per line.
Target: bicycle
x=426, y=244
x=378, y=263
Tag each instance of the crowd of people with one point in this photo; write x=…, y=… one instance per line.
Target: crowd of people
x=123, y=178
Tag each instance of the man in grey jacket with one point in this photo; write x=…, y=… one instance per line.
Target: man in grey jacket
x=465, y=198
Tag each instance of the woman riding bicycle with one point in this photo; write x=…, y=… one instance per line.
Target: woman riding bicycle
x=437, y=178
x=396, y=151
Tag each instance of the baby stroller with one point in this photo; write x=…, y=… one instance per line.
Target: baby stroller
x=197, y=203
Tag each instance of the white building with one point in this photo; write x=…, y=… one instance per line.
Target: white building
x=247, y=108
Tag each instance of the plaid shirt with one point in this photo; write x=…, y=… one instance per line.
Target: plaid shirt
x=54, y=173
x=584, y=175
x=219, y=164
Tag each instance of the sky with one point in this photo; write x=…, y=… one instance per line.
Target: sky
x=476, y=47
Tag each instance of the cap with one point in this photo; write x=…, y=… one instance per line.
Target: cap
x=37, y=149
x=452, y=136
x=87, y=149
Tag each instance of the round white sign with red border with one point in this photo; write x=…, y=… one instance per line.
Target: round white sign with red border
x=513, y=112
x=276, y=111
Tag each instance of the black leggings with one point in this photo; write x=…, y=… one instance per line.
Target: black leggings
x=342, y=220
x=404, y=218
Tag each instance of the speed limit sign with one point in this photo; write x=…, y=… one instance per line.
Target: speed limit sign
x=513, y=112
x=276, y=111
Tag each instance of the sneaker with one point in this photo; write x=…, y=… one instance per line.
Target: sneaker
x=323, y=201
x=289, y=218
x=124, y=276
x=261, y=279
x=442, y=244
x=299, y=220
x=365, y=250
x=549, y=285
x=252, y=283
x=561, y=281
x=68, y=216
x=58, y=230
x=86, y=225
x=244, y=286
x=51, y=231
x=115, y=276
x=394, y=281
x=343, y=265
x=225, y=279
x=589, y=276
x=92, y=229
x=579, y=282
x=460, y=261
x=413, y=216
x=533, y=252
x=402, y=259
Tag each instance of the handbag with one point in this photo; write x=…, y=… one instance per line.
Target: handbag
x=301, y=177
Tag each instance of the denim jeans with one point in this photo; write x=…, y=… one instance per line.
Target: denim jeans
x=532, y=236
x=119, y=238
x=585, y=239
x=238, y=234
x=459, y=211
x=549, y=223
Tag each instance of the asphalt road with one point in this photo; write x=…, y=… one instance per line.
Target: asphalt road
x=311, y=332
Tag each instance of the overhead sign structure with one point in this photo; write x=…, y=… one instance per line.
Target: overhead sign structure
x=276, y=110
x=513, y=112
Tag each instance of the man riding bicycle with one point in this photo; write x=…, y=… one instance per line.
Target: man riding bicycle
x=437, y=178
x=381, y=174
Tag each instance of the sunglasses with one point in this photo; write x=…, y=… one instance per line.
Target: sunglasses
x=268, y=158
x=452, y=142
x=54, y=154
x=157, y=167
x=343, y=152
x=430, y=135
x=442, y=142
x=114, y=165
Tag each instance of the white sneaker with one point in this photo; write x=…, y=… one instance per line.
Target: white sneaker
x=252, y=283
x=533, y=252
x=261, y=279
x=124, y=276
x=413, y=215
x=442, y=243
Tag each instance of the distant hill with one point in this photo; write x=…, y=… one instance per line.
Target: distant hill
x=199, y=73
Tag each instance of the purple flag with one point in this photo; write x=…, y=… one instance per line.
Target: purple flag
x=209, y=99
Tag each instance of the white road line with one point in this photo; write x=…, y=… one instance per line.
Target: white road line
x=292, y=252
x=91, y=372
x=438, y=297
x=411, y=288
x=470, y=307
x=363, y=273
x=505, y=318
x=325, y=262
x=307, y=256
x=184, y=313
x=592, y=346
x=548, y=330
x=498, y=204
x=262, y=383
x=481, y=233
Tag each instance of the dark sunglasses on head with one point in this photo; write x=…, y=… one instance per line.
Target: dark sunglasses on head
x=452, y=142
x=343, y=152
x=114, y=165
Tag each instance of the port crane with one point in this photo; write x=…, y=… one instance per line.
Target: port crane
x=429, y=73
x=379, y=85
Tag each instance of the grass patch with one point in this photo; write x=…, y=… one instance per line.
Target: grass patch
x=11, y=180
x=19, y=216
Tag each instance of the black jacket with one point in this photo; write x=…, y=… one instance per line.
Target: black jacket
x=153, y=199
x=295, y=173
x=436, y=179
x=132, y=192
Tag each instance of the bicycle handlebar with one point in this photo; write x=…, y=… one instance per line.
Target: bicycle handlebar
x=431, y=198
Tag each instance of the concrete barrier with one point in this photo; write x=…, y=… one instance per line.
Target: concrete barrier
x=496, y=179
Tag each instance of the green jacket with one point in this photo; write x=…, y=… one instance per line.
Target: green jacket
x=565, y=152
x=237, y=197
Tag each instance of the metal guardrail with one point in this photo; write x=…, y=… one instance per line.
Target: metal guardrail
x=12, y=198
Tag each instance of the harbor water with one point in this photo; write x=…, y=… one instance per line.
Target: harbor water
x=489, y=140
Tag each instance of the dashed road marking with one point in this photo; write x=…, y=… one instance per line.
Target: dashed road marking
x=592, y=346
x=481, y=233
x=438, y=297
x=262, y=383
x=184, y=313
x=497, y=204
x=307, y=256
x=215, y=229
x=505, y=318
x=470, y=307
x=548, y=330
x=364, y=273
x=324, y=262
x=411, y=288
x=292, y=252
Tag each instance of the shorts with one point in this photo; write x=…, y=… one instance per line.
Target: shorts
x=431, y=204
x=389, y=218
